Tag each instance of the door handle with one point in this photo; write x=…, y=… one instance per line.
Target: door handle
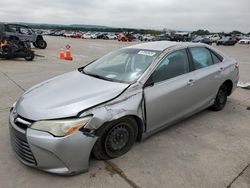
x=190, y=82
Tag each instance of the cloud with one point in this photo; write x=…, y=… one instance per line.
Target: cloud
x=214, y=15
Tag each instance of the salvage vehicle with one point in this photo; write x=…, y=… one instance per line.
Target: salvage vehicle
x=25, y=34
x=226, y=41
x=127, y=95
x=11, y=47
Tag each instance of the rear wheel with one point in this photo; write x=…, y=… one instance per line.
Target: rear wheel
x=42, y=44
x=116, y=138
x=221, y=99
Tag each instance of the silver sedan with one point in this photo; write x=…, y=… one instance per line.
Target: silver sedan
x=127, y=95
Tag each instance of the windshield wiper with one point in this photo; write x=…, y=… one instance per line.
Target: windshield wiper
x=97, y=76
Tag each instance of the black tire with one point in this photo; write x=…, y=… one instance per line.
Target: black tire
x=221, y=99
x=35, y=45
x=116, y=138
x=30, y=57
x=42, y=44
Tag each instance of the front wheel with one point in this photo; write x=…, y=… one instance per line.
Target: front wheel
x=221, y=99
x=116, y=138
x=30, y=56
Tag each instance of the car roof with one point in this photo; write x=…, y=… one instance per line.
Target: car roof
x=160, y=45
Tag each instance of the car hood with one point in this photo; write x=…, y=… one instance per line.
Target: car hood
x=66, y=95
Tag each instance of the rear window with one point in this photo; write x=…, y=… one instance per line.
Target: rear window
x=201, y=57
x=215, y=58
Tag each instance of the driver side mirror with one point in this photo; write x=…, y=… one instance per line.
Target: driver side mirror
x=149, y=82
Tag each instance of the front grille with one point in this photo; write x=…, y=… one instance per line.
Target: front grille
x=19, y=140
x=22, y=149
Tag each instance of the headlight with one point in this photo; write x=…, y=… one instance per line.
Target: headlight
x=61, y=127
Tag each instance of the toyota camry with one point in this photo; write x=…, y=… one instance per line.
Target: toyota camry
x=106, y=106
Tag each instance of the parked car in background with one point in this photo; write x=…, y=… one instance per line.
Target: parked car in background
x=76, y=35
x=111, y=36
x=227, y=41
x=94, y=35
x=147, y=37
x=202, y=40
x=239, y=36
x=161, y=38
x=68, y=34
x=102, y=36
x=125, y=37
x=86, y=36
x=58, y=33
x=214, y=37
x=105, y=106
x=244, y=41
x=181, y=36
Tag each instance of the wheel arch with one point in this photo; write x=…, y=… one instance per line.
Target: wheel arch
x=137, y=119
x=39, y=37
x=229, y=86
x=140, y=125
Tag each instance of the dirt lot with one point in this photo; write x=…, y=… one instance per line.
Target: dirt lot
x=210, y=149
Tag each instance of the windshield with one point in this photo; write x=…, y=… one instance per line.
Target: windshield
x=125, y=65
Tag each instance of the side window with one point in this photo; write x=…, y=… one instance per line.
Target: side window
x=201, y=56
x=173, y=65
x=215, y=58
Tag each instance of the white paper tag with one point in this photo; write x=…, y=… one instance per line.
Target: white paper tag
x=111, y=76
x=147, y=53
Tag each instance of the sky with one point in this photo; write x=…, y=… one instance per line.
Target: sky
x=185, y=15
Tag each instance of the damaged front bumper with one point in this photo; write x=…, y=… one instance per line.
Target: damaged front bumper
x=61, y=155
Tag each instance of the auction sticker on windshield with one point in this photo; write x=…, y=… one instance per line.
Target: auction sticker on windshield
x=148, y=53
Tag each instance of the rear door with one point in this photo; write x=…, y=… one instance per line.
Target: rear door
x=208, y=75
x=171, y=96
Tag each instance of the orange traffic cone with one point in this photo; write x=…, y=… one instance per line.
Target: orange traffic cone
x=68, y=55
x=61, y=55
